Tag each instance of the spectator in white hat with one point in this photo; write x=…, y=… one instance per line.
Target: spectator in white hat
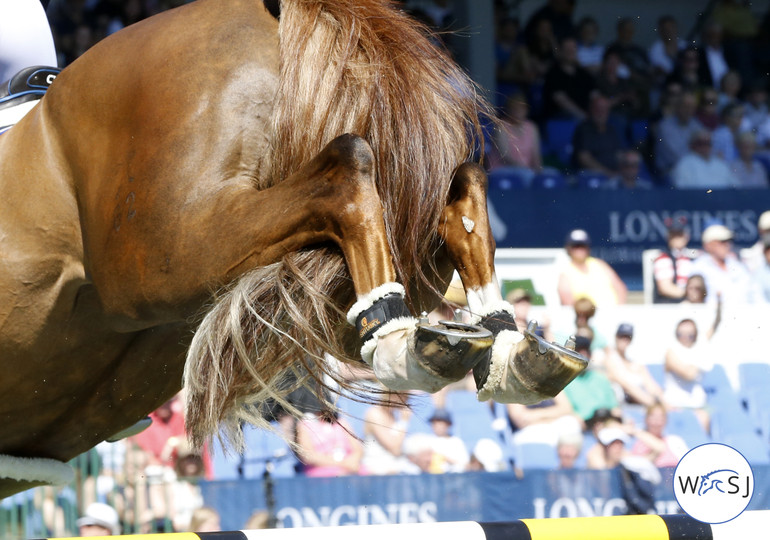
x=99, y=520
x=726, y=277
x=754, y=257
x=487, y=456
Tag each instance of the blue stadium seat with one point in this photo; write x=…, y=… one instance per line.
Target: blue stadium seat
x=353, y=411
x=638, y=132
x=591, y=180
x=262, y=447
x=508, y=178
x=558, y=139
x=535, y=456
x=753, y=448
x=471, y=419
x=754, y=375
x=658, y=372
x=549, y=180
x=684, y=423
x=716, y=382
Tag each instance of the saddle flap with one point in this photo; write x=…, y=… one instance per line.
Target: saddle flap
x=33, y=80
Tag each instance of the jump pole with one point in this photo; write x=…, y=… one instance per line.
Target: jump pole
x=748, y=526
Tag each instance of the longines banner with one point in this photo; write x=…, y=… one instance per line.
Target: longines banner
x=362, y=500
x=621, y=224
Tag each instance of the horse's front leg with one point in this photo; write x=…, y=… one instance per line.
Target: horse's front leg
x=523, y=368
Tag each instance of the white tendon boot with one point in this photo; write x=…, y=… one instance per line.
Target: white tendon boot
x=407, y=354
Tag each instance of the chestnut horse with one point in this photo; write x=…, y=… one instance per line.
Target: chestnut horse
x=232, y=193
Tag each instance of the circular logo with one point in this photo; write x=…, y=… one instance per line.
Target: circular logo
x=713, y=483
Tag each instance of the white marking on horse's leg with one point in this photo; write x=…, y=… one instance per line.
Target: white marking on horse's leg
x=469, y=224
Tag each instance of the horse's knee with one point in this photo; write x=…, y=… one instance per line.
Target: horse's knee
x=352, y=152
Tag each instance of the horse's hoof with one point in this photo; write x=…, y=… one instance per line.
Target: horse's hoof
x=451, y=349
x=525, y=368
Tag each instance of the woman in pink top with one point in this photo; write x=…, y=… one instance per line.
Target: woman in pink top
x=326, y=446
x=517, y=141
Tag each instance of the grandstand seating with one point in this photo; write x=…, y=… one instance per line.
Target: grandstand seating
x=472, y=420
x=557, y=142
x=535, y=456
x=509, y=178
x=591, y=180
x=263, y=447
x=549, y=180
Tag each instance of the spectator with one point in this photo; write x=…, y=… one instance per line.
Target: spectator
x=712, y=62
x=761, y=275
x=636, y=384
x=418, y=451
x=527, y=66
x=99, y=519
x=506, y=45
x=185, y=495
x=558, y=13
x=663, y=52
x=685, y=363
x=674, y=131
x=741, y=28
x=585, y=310
x=724, y=137
x=664, y=449
x=672, y=268
x=567, y=87
x=624, y=101
x=258, y=520
x=748, y=170
x=695, y=291
x=586, y=276
x=517, y=140
x=726, y=276
x=521, y=300
x=542, y=422
x=591, y=390
x=687, y=70
x=610, y=449
x=326, y=446
x=729, y=90
x=163, y=436
x=568, y=449
x=708, y=109
x=699, y=169
x=205, y=519
x=629, y=173
x=486, y=456
x=754, y=256
x=756, y=110
x=635, y=64
x=449, y=451
x=590, y=52
x=385, y=427
x=596, y=144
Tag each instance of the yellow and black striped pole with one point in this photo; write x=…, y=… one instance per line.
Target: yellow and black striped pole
x=748, y=526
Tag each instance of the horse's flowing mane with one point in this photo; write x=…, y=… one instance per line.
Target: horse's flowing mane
x=346, y=66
